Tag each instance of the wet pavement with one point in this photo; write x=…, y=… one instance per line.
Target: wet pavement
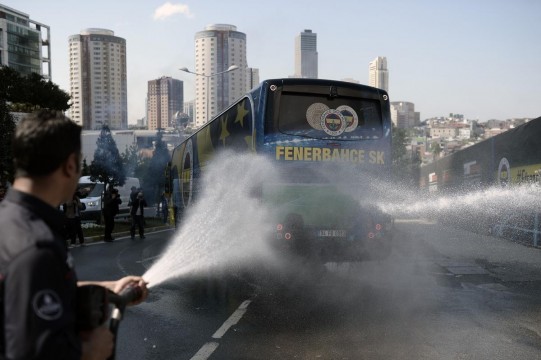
x=444, y=293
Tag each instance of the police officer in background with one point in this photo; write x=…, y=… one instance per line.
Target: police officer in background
x=111, y=202
x=137, y=212
x=38, y=284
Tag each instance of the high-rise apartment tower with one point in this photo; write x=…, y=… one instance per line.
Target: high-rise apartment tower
x=25, y=44
x=306, y=55
x=165, y=98
x=378, y=75
x=98, y=84
x=217, y=48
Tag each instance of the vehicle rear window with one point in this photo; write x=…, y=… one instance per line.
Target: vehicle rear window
x=323, y=117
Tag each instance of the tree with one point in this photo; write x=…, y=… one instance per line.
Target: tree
x=130, y=160
x=107, y=165
x=85, y=170
x=142, y=168
x=23, y=94
x=7, y=129
x=405, y=166
x=399, y=141
x=27, y=93
x=154, y=179
x=436, y=149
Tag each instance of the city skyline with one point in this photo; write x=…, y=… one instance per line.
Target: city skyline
x=478, y=58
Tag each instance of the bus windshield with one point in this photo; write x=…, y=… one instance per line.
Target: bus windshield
x=319, y=116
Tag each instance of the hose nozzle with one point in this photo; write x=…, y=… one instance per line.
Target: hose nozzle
x=128, y=295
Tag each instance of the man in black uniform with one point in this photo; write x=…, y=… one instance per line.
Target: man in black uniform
x=111, y=202
x=38, y=285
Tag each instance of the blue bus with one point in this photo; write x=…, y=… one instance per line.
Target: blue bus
x=304, y=125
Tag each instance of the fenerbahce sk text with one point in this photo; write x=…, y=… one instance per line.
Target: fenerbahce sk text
x=297, y=153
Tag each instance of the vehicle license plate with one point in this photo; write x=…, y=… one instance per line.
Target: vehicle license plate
x=332, y=233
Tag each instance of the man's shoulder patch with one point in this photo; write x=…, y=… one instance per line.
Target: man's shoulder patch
x=47, y=305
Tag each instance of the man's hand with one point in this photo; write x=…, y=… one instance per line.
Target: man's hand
x=132, y=281
x=119, y=285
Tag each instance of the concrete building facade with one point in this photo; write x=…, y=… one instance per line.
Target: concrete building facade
x=189, y=109
x=98, y=79
x=444, y=132
x=25, y=44
x=165, y=98
x=124, y=139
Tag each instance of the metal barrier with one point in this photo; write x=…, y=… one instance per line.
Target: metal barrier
x=499, y=229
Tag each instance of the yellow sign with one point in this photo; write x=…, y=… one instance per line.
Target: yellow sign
x=359, y=156
x=526, y=174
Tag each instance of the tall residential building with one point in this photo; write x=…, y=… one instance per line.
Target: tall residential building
x=378, y=75
x=217, y=48
x=25, y=44
x=98, y=84
x=165, y=98
x=403, y=114
x=306, y=55
x=189, y=109
x=252, y=78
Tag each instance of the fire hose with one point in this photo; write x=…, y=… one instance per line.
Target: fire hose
x=93, y=306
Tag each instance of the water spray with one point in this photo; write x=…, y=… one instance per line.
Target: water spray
x=227, y=226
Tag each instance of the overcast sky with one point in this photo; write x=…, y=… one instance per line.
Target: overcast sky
x=480, y=58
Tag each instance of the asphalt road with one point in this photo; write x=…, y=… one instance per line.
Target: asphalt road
x=444, y=293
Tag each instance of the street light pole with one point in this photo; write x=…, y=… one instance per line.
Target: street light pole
x=207, y=98
x=231, y=68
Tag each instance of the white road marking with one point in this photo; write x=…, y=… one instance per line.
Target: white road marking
x=233, y=319
x=205, y=352
x=148, y=258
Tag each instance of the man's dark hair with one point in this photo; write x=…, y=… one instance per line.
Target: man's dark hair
x=43, y=141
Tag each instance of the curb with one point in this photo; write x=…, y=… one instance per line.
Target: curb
x=99, y=238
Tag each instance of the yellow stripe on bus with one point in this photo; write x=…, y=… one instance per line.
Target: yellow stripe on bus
x=299, y=153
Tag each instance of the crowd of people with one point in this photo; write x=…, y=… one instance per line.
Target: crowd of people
x=73, y=229
x=111, y=200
